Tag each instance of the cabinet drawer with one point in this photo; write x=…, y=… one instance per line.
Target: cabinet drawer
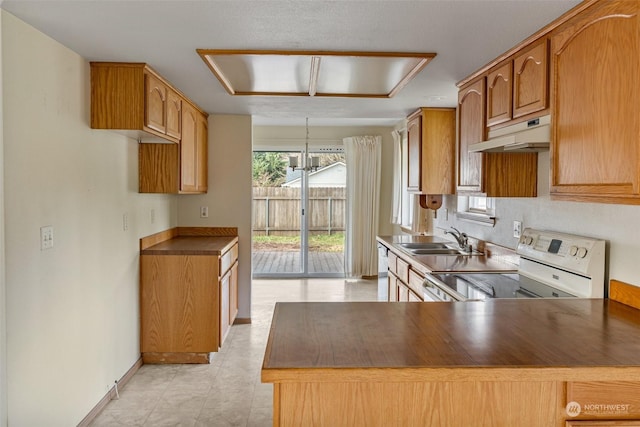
x=414, y=297
x=605, y=399
x=415, y=282
x=393, y=259
x=402, y=271
x=227, y=259
x=403, y=292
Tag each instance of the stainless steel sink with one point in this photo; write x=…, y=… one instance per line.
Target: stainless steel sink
x=437, y=251
x=435, y=248
x=424, y=245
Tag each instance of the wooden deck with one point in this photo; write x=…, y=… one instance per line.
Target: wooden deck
x=274, y=262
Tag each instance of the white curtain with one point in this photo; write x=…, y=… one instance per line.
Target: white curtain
x=362, y=155
x=396, y=202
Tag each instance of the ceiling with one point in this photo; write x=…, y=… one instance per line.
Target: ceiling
x=465, y=35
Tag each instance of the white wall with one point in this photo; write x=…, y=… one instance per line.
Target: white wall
x=72, y=311
x=618, y=224
x=287, y=137
x=229, y=195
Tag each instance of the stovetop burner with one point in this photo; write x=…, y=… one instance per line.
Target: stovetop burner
x=481, y=286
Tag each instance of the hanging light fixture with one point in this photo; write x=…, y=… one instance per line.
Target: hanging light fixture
x=311, y=163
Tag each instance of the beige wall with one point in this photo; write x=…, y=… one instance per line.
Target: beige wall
x=229, y=195
x=72, y=311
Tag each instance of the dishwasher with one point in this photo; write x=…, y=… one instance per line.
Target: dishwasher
x=383, y=260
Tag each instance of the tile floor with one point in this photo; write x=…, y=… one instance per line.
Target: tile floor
x=228, y=391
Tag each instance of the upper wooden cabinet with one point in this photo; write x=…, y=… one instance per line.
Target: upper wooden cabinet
x=499, y=94
x=518, y=86
x=174, y=114
x=431, y=151
x=193, y=152
x=177, y=168
x=471, y=130
x=530, y=79
x=490, y=174
x=132, y=97
x=595, y=149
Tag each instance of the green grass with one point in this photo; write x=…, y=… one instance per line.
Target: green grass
x=317, y=243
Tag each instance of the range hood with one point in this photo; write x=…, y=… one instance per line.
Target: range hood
x=526, y=137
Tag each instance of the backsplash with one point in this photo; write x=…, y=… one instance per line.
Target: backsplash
x=617, y=224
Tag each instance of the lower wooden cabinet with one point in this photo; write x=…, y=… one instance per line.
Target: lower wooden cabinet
x=603, y=400
x=392, y=288
x=403, y=282
x=228, y=301
x=187, y=303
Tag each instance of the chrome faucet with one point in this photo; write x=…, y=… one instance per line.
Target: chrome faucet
x=461, y=238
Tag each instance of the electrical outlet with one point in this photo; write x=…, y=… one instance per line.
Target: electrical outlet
x=204, y=212
x=517, y=229
x=125, y=221
x=46, y=237
x=152, y=215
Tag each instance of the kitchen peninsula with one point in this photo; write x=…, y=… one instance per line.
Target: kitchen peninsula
x=504, y=362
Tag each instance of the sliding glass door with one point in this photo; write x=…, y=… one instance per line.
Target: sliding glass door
x=298, y=214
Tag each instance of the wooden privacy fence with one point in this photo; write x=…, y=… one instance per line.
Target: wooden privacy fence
x=276, y=210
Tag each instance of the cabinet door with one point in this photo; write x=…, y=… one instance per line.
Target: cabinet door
x=471, y=129
x=225, y=285
x=403, y=292
x=155, y=114
x=413, y=297
x=202, y=155
x=414, y=153
x=595, y=150
x=178, y=318
x=530, y=80
x=174, y=114
x=233, y=294
x=499, y=94
x=188, y=149
x=392, y=288
x=438, y=168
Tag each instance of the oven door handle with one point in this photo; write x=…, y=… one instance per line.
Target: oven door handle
x=526, y=293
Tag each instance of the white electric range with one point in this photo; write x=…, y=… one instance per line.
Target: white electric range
x=552, y=265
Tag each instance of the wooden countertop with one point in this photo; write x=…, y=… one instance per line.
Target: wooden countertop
x=192, y=245
x=445, y=263
x=538, y=339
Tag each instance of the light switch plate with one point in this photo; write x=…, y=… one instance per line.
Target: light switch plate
x=46, y=237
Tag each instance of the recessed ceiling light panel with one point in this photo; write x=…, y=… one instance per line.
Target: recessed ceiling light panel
x=293, y=73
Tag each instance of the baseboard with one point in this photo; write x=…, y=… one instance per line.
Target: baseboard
x=242, y=321
x=110, y=395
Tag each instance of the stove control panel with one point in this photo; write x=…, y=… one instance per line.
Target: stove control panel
x=568, y=251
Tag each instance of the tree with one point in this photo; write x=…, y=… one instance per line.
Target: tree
x=269, y=169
